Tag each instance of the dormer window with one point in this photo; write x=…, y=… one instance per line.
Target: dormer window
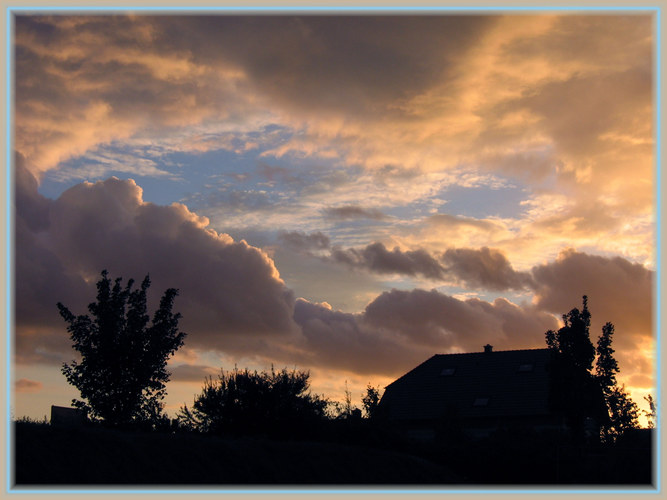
x=447, y=372
x=527, y=367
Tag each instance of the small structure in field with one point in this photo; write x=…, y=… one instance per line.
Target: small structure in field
x=62, y=416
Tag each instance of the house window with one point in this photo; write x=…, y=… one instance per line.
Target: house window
x=448, y=372
x=480, y=402
x=528, y=367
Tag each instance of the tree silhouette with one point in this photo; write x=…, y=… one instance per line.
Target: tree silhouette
x=623, y=412
x=244, y=402
x=122, y=372
x=572, y=341
x=606, y=366
x=371, y=400
x=651, y=413
x=575, y=392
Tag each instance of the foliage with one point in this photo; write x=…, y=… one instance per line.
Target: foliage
x=31, y=421
x=606, y=366
x=371, y=400
x=572, y=341
x=651, y=414
x=623, y=413
x=250, y=402
x=576, y=390
x=343, y=410
x=122, y=372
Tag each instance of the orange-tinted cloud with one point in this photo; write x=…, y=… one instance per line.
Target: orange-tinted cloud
x=406, y=106
x=26, y=385
x=619, y=291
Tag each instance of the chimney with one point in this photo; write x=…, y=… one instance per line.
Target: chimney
x=488, y=348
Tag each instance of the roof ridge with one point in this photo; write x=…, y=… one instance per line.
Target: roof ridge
x=492, y=352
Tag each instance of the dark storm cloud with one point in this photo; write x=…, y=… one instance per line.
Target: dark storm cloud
x=341, y=340
x=117, y=75
x=486, y=268
x=353, y=212
x=618, y=290
x=41, y=278
x=233, y=301
x=351, y=63
x=378, y=259
x=402, y=328
x=436, y=319
x=226, y=287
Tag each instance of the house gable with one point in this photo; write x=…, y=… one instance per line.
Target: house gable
x=481, y=385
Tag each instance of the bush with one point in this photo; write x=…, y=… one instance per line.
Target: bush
x=244, y=402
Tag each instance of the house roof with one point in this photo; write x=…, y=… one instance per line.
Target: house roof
x=478, y=384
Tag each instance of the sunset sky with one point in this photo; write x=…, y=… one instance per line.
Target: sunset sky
x=344, y=195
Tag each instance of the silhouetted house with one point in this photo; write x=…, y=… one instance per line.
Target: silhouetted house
x=475, y=393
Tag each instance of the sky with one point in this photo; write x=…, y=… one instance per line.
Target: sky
x=346, y=195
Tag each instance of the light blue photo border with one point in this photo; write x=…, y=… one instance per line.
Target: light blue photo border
x=13, y=10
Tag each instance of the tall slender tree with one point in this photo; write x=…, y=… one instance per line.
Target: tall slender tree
x=623, y=412
x=579, y=392
x=574, y=391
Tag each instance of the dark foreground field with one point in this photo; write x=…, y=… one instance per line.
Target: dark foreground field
x=339, y=455
x=46, y=455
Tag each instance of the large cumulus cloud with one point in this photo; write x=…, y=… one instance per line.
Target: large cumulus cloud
x=399, y=329
x=228, y=288
x=234, y=301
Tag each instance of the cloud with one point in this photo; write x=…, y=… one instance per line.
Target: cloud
x=484, y=268
x=460, y=222
x=83, y=81
x=234, y=302
x=227, y=288
x=436, y=319
x=26, y=385
x=302, y=242
x=353, y=212
x=619, y=291
x=441, y=94
x=400, y=329
x=376, y=258
x=192, y=373
x=342, y=341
